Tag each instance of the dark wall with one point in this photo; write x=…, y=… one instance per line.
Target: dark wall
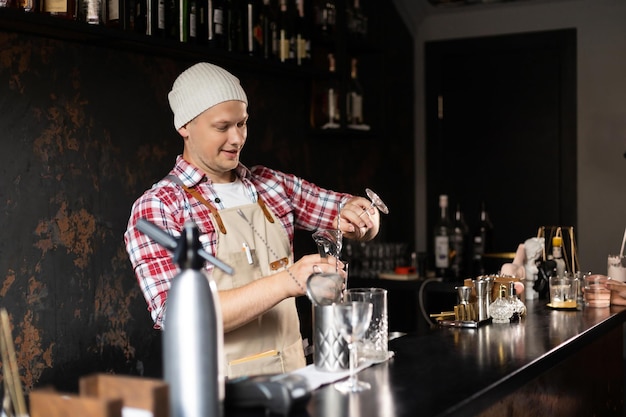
x=86, y=129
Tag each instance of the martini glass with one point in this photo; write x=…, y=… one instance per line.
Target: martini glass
x=352, y=320
x=376, y=202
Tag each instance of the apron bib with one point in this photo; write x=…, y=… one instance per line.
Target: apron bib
x=271, y=343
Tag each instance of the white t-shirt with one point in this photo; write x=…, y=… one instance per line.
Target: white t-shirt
x=232, y=194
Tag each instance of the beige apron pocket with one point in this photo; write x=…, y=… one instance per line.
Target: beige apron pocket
x=264, y=363
x=293, y=356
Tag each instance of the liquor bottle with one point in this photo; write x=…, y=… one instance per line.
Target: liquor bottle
x=160, y=22
x=303, y=41
x=215, y=34
x=65, y=9
x=134, y=16
x=233, y=26
x=152, y=17
x=356, y=20
x=172, y=19
x=284, y=33
x=252, y=25
x=112, y=13
x=28, y=6
x=460, y=237
x=194, y=18
x=354, y=100
x=483, y=241
x=182, y=28
x=93, y=12
x=325, y=18
x=192, y=21
x=443, y=239
x=268, y=29
x=325, y=108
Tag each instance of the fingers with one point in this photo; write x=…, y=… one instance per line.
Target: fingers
x=315, y=264
x=356, y=214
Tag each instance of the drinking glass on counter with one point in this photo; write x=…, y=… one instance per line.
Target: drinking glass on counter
x=352, y=320
x=562, y=291
x=616, y=267
x=375, y=343
x=596, y=292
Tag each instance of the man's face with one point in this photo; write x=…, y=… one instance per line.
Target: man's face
x=214, y=139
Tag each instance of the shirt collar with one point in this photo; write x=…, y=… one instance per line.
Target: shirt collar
x=192, y=176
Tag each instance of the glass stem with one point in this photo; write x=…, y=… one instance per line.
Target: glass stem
x=353, y=358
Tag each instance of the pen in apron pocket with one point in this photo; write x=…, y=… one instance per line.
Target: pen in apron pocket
x=246, y=249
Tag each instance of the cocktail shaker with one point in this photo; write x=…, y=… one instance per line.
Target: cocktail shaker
x=483, y=292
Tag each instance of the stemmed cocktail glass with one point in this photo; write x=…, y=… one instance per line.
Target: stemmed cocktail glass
x=352, y=320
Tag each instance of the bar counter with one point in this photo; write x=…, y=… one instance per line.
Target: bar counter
x=553, y=362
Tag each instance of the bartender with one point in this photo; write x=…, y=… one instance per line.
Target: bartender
x=246, y=218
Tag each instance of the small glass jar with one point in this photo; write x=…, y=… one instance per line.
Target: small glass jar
x=501, y=310
x=519, y=308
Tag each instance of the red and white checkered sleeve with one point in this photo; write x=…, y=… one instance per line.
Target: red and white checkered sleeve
x=153, y=265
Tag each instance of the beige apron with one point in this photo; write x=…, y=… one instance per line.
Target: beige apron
x=271, y=343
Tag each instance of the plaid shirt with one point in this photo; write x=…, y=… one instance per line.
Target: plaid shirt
x=296, y=202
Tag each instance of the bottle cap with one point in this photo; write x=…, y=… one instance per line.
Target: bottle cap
x=557, y=241
x=443, y=200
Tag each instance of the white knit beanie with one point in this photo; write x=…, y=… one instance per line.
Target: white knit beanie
x=200, y=87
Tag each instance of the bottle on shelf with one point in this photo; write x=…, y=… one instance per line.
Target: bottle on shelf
x=112, y=13
x=268, y=29
x=252, y=27
x=135, y=16
x=325, y=18
x=356, y=20
x=354, y=100
x=460, y=238
x=28, y=6
x=285, y=33
x=443, y=240
x=234, y=38
x=482, y=242
x=184, y=19
x=302, y=37
x=65, y=9
x=95, y=12
x=172, y=19
x=325, y=107
x=211, y=28
x=191, y=32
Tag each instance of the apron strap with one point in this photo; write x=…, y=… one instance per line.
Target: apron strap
x=268, y=216
x=196, y=194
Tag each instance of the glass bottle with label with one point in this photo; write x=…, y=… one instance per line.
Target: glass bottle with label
x=268, y=29
x=252, y=26
x=460, y=237
x=92, y=12
x=325, y=107
x=303, y=41
x=65, y=9
x=354, y=100
x=356, y=20
x=325, y=18
x=443, y=239
x=284, y=33
x=483, y=241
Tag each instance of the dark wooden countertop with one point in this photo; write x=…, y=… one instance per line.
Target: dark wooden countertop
x=460, y=371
